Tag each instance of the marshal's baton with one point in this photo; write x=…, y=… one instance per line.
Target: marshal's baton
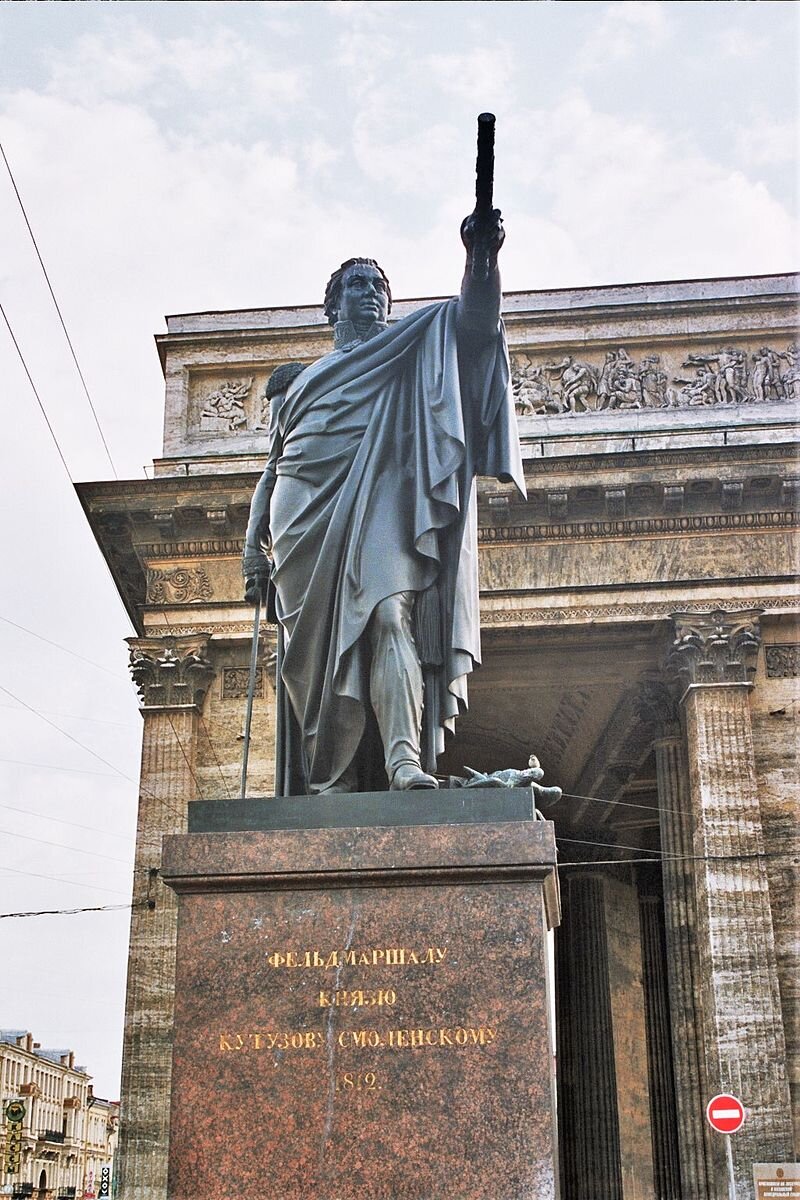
x=484, y=190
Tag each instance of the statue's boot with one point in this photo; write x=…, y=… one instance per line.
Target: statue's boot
x=347, y=782
x=408, y=777
x=395, y=689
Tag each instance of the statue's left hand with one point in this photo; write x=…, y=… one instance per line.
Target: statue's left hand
x=485, y=233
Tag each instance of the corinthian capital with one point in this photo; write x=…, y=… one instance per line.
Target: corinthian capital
x=716, y=647
x=171, y=672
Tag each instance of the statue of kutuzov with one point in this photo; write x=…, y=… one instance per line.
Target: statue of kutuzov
x=366, y=520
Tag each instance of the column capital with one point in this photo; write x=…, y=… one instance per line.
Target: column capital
x=171, y=671
x=716, y=647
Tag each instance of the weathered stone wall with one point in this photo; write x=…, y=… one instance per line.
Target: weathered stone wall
x=774, y=707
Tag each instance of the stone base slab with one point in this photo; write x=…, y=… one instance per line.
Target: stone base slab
x=364, y=1010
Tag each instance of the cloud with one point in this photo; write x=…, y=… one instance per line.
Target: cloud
x=623, y=30
x=219, y=66
x=767, y=143
x=741, y=44
x=486, y=71
x=640, y=204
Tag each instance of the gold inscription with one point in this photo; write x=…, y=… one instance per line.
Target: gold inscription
x=349, y=1081
x=332, y=960
x=359, y=998
x=442, y=1037
x=416, y=1039
x=267, y=1039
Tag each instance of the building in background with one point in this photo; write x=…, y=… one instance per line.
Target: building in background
x=57, y=1139
x=641, y=634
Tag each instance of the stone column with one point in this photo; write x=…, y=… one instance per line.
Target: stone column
x=737, y=978
x=604, y=1111
x=172, y=675
x=680, y=928
x=663, y=1110
x=589, y=1147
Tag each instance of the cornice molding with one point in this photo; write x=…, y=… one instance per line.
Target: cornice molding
x=640, y=526
x=660, y=610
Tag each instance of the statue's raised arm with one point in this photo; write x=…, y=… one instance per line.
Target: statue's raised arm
x=482, y=234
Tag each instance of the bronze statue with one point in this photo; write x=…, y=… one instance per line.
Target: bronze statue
x=367, y=512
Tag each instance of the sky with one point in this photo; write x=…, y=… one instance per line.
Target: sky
x=179, y=157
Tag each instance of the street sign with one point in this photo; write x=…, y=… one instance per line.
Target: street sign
x=725, y=1113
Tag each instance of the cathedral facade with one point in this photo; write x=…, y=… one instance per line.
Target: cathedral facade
x=639, y=619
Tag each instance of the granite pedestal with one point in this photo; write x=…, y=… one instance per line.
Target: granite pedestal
x=361, y=1003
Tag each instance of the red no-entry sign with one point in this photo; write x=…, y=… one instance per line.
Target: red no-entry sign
x=725, y=1113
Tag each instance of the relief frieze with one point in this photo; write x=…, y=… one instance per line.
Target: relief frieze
x=222, y=410
x=233, y=405
x=181, y=585
x=783, y=662
x=724, y=376
x=236, y=682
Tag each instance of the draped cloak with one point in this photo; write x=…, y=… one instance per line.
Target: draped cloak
x=376, y=449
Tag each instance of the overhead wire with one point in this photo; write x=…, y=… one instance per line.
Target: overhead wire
x=64, y=732
x=27, y=837
x=124, y=837
x=130, y=778
x=114, y=674
x=22, y=762
x=35, y=392
x=92, y=887
x=622, y=803
x=70, y=912
x=58, y=310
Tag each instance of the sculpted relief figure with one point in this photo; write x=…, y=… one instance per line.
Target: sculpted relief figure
x=367, y=508
x=791, y=377
x=224, y=408
x=578, y=382
x=532, y=391
x=767, y=382
x=730, y=377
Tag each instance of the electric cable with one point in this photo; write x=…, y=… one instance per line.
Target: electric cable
x=53, y=725
x=73, y=824
x=142, y=790
x=624, y=803
x=70, y=912
x=22, y=762
x=58, y=310
x=35, y=392
x=114, y=674
x=93, y=887
x=27, y=837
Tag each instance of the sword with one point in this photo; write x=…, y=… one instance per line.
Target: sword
x=251, y=691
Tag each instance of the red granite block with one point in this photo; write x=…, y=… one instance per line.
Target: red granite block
x=363, y=1014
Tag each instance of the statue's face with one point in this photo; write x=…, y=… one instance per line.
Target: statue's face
x=363, y=297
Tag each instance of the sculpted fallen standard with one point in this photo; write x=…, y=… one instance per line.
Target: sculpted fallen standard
x=367, y=512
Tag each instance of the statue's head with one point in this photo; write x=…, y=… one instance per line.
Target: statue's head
x=359, y=292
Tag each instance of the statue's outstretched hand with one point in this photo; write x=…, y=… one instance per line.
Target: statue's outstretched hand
x=481, y=232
